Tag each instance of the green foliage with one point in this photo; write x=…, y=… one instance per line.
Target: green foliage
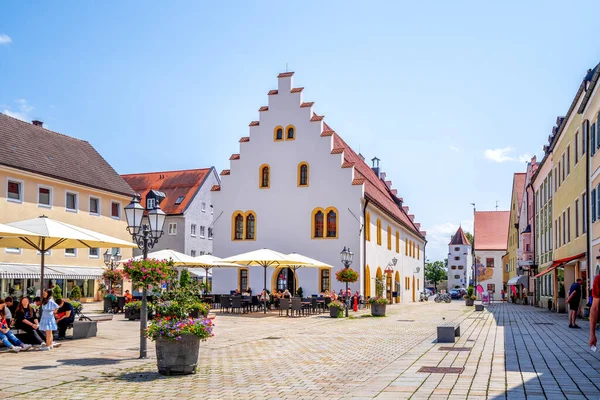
x=57, y=293
x=185, y=278
x=77, y=307
x=75, y=293
x=378, y=300
x=379, y=287
x=135, y=306
x=435, y=272
x=471, y=238
x=470, y=291
x=347, y=275
x=339, y=305
x=145, y=273
x=112, y=276
x=172, y=328
x=299, y=292
x=561, y=291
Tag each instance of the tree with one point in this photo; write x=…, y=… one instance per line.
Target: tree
x=471, y=238
x=184, y=278
x=435, y=272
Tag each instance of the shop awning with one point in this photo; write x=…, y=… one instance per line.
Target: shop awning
x=25, y=271
x=519, y=280
x=77, y=272
x=32, y=271
x=560, y=263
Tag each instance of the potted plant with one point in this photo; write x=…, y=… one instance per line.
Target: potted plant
x=133, y=310
x=378, y=304
x=177, y=334
x=336, y=309
x=57, y=292
x=299, y=292
x=112, y=276
x=561, y=305
x=470, y=296
x=77, y=307
x=75, y=293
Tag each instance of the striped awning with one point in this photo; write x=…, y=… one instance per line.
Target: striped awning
x=32, y=271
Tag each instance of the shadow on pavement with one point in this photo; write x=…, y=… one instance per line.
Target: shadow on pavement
x=91, y=362
x=38, y=367
x=145, y=377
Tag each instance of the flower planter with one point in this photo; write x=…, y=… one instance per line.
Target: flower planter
x=132, y=315
x=334, y=312
x=378, y=310
x=469, y=302
x=177, y=357
x=562, y=306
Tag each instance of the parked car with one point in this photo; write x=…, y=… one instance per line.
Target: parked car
x=431, y=289
x=456, y=294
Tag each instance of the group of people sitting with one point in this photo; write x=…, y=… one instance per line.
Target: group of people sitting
x=341, y=295
x=114, y=300
x=38, y=320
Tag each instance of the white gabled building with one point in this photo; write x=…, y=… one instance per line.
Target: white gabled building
x=460, y=261
x=296, y=186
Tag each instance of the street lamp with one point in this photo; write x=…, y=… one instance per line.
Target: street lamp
x=346, y=256
x=112, y=262
x=146, y=235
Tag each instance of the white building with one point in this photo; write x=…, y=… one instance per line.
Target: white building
x=460, y=261
x=296, y=186
x=491, y=232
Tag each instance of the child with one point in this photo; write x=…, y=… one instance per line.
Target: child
x=48, y=322
x=6, y=336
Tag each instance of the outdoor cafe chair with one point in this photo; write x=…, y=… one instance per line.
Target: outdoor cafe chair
x=314, y=305
x=225, y=303
x=297, y=306
x=256, y=304
x=284, y=304
x=236, y=304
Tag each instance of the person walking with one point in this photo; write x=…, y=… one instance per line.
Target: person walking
x=573, y=301
x=48, y=322
x=594, y=311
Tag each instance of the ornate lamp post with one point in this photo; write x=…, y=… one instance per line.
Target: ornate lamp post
x=346, y=256
x=146, y=235
x=112, y=262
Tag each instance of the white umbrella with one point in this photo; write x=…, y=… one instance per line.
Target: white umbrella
x=48, y=234
x=179, y=259
x=208, y=261
x=301, y=261
x=10, y=231
x=265, y=258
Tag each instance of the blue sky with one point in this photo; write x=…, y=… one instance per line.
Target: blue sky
x=451, y=96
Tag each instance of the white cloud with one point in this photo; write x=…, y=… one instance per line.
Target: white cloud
x=5, y=39
x=22, y=112
x=524, y=158
x=454, y=148
x=438, y=237
x=499, y=155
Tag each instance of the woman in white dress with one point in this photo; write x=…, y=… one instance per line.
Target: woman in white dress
x=48, y=322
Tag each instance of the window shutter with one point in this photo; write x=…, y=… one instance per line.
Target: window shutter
x=597, y=144
x=593, y=140
x=598, y=202
x=594, y=205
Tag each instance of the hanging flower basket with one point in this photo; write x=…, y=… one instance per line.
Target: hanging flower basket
x=347, y=275
x=145, y=273
x=112, y=276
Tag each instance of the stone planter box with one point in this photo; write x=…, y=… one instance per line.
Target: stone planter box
x=177, y=357
x=378, y=310
x=561, y=305
x=478, y=307
x=334, y=312
x=469, y=302
x=132, y=315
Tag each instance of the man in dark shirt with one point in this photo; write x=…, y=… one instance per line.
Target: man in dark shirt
x=65, y=315
x=574, y=300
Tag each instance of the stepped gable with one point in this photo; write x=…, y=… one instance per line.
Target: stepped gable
x=460, y=238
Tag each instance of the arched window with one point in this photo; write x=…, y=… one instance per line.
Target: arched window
x=368, y=226
x=265, y=176
x=331, y=224
x=318, y=224
x=250, y=226
x=378, y=231
x=389, y=237
x=278, y=133
x=290, y=133
x=303, y=174
x=238, y=226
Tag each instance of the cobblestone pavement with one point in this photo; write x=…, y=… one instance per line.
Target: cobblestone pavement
x=511, y=352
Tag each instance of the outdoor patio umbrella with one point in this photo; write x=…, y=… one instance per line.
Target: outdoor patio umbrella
x=47, y=234
x=179, y=259
x=7, y=231
x=304, y=262
x=208, y=261
x=265, y=258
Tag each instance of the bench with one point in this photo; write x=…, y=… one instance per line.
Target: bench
x=446, y=333
x=84, y=329
x=478, y=307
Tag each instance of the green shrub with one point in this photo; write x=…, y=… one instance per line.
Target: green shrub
x=75, y=293
x=299, y=292
x=57, y=293
x=185, y=278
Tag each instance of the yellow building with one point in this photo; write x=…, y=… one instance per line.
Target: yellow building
x=46, y=173
x=510, y=262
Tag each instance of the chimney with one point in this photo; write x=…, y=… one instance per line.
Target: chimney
x=38, y=123
x=382, y=175
x=375, y=167
x=361, y=156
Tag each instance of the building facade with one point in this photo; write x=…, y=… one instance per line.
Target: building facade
x=186, y=198
x=460, y=261
x=525, y=252
x=513, y=234
x=65, y=179
x=296, y=186
x=491, y=229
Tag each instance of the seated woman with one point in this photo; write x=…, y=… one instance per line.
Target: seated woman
x=326, y=294
x=287, y=294
x=6, y=336
x=27, y=320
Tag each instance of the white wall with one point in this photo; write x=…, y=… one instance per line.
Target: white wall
x=464, y=260
x=496, y=276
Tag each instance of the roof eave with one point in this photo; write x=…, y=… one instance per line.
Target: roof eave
x=389, y=214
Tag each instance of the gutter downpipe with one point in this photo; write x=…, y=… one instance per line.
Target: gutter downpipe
x=364, y=236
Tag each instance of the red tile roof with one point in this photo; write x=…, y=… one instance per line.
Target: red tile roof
x=347, y=164
x=173, y=184
x=41, y=151
x=297, y=89
x=215, y=188
x=491, y=230
x=375, y=189
x=245, y=139
x=307, y=104
x=271, y=92
x=316, y=117
x=264, y=108
x=337, y=150
x=460, y=238
x=519, y=187
x=254, y=123
x=327, y=133
x=226, y=172
x=285, y=74
x=234, y=157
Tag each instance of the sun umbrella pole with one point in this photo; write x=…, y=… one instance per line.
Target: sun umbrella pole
x=265, y=289
x=42, y=268
x=206, y=280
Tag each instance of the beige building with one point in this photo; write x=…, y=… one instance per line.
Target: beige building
x=46, y=173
